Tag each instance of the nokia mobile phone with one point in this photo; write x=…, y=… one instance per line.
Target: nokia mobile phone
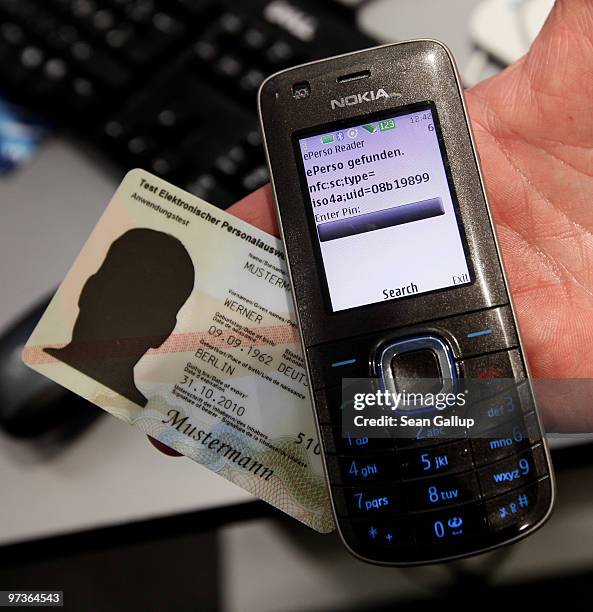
x=396, y=278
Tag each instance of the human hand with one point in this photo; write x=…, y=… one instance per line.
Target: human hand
x=534, y=131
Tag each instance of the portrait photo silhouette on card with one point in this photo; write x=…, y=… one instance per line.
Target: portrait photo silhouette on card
x=127, y=307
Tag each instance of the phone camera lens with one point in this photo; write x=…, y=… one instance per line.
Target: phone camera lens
x=301, y=90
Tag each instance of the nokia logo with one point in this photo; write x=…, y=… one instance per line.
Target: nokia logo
x=367, y=96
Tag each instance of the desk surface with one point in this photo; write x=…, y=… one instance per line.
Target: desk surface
x=110, y=474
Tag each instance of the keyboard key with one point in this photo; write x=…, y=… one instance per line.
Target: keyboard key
x=279, y=52
x=368, y=501
x=520, y=509
x=154, y=40
x=119, y=36
x=253, y=139
x=501, y=367
x=55, y=69
x=43, y=24
x=177, y=114
x=494, y=412
x=205, y=50
x=237, y=154
x=206, y=187
x=140, y=145
x=168, y=163
x=356, y=469
x=140, y=10
x=347, y=443
x=509, y=439
x=63, y=37
x=426, y=437
x=231, y=23
x=12, y=34
x=103, y=20
x=450, y=527
x=254, y=39
x=164, y=23
x=83, y=88
x=448, y=459
x=330, y=363
x=83, y=8
x=114, y=128
x=251, y=80
x=513, y=472
x=81, y=51
x=99, y=65
x=227, y=166
x=430, y=493
x=386, y=534
x=191, y=6
x=255, y=178
x=229, y=66
x=32, y=57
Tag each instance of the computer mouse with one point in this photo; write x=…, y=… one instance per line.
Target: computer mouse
x=31, y=405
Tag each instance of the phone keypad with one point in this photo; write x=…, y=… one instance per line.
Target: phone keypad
x=444, y=491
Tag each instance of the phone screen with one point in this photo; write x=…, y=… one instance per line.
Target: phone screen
x=383, y=208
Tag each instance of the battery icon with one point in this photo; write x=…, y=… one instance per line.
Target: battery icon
x=369, y=127
x=386, y=124
x=327, y=138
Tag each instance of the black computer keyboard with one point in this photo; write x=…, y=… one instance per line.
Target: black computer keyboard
x=166, y=85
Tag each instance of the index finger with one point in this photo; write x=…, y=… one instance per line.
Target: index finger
x=258, y=208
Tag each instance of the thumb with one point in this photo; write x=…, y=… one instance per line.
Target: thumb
x=563, y=51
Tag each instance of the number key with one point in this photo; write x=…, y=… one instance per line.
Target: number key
x=356, y=469
x=429, y=493
x=513, y=472
x=448, y=527
x=448, y=459
x=336, y=441
x=369, y=501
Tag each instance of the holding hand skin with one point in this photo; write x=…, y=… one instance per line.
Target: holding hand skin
x=533, y=127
